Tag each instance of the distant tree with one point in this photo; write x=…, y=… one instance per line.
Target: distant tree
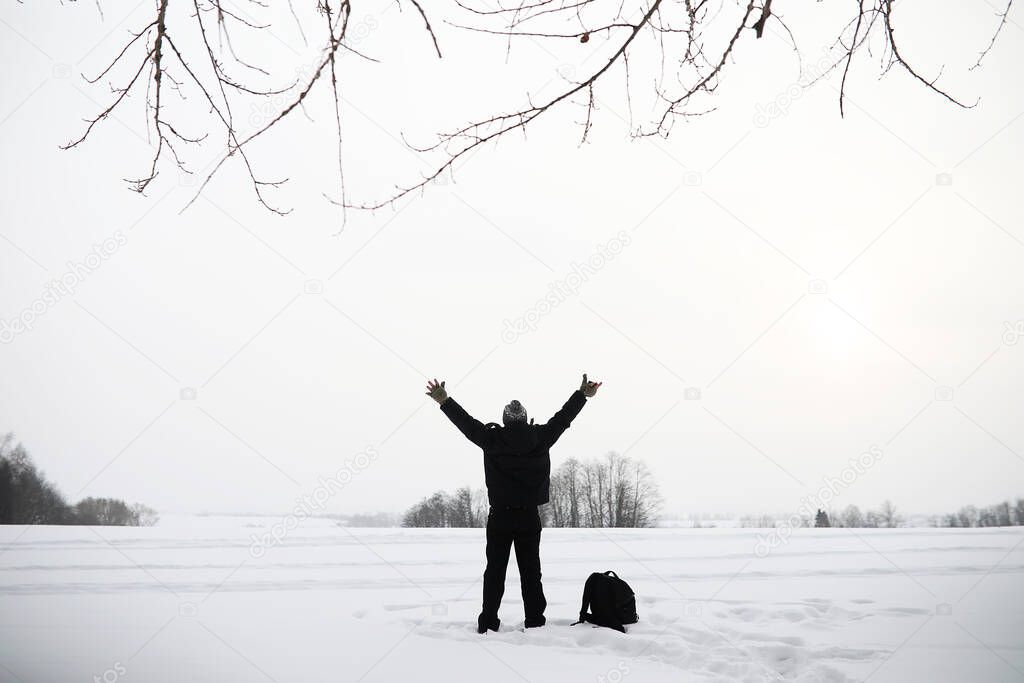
x=613, y=491
x=439, y=508
x=592, y=492
x=462, y=509
x=757, y=522
x=1018, y=509
x=104, y=512
x=821, y=519
x=28, y=497
x=481, y=507
x=999, y=514
x=851, y=517
x=968, y=517
x=645, y=497
x=6, y=490
x=144, y=516
x=564, y=510
x=374, y=519
x=1003, y=515
x=888, y=517
x=417, y=515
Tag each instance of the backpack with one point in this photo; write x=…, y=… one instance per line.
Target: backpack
x=611, y=601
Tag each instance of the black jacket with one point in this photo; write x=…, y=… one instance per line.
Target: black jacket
x=517, y=464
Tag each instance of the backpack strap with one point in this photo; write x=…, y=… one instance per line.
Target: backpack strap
x=607, y=623
x=588, y=592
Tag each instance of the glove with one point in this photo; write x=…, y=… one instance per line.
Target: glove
x=437, y=391
x=589, y=389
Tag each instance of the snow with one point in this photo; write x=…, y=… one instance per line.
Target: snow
x=193, y=599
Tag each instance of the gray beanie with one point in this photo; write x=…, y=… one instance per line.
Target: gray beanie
x=514, y=412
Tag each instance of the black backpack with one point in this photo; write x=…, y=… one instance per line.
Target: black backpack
x=611, y=601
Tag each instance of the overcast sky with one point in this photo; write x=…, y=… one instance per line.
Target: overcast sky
x=787, y=293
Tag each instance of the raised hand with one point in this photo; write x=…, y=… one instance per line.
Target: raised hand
x=437, y=391
x=589, y=389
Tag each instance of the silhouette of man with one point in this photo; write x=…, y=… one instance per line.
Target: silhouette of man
x=517, y=469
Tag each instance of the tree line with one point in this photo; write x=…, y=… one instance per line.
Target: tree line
x=969, y=516
x=26, y=497
x=1000, y=514
x=886, y=516
x=612, y=491
x=464, y=508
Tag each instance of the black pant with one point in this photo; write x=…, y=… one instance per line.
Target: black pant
x=520, y=527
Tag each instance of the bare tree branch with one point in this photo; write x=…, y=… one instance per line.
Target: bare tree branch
x=679, y=50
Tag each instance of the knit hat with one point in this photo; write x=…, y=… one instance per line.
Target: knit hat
x=514, y=412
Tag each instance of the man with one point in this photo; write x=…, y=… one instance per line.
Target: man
x=517, y=469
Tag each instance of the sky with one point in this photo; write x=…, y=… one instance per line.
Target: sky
x=764, y=297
